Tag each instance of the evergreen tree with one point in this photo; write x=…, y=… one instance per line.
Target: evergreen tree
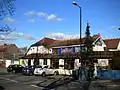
x=89, y=49
x=88, y=40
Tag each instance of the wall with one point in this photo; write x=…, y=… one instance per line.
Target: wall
x=98, y=48
x=76, y=64
x=118, y=48
x=24, y=62
x=61, y=63
x=41, y=49
x=103, y=62
x=41, y=61
x=8, y=62
x=12, y=52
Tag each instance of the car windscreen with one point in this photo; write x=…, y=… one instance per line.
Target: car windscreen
x=29, y=67
x=38, y=66
x=10, y=66
x=45, y=67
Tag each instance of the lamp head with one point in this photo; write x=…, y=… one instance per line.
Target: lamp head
x=74, y=3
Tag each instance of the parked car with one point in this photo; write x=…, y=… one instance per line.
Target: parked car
x=15, y=68
x=29, y=70
x=45, y=70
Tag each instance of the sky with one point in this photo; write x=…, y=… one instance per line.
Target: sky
x=59, y=19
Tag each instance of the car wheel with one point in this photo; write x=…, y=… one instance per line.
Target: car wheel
x=43, y=74
x=35, y=74
x=13, y=71
x=55, y=73
x=31, y=74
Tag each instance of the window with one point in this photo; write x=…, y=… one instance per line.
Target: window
x=69, y=63
x=45, y=62
x=38, y=66
x=51, y=67
x=55, y=63
x=19, y=66
x=45, y=66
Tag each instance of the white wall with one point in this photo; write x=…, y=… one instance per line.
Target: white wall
x=32, y=61
x=113, y=49
x=76, y=64
x=103, y=62
x=16, y=62
x=8, y=62
x=32, y=50
x=118, y=48
x=61, y=62
x=41, y=61
x=41, y=49
x=48, y=62
x=26, y=62
x=98, y=48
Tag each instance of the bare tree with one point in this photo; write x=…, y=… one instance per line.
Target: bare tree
x=6, y=8
x=4, y=34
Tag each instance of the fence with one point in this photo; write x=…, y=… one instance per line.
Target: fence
x=109, y=74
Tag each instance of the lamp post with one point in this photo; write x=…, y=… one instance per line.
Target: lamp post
x=118, y=28
x=80, y=28
x=80, y=20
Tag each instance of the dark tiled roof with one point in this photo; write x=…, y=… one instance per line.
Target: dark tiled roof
x=70, y=42
x=4, y=47
x=45, y=40
x=112, y=43
x=66, y=42
x=7, y=51
x=54, y=43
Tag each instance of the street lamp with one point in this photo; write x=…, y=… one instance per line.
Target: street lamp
x=118, y=28
x=74, y=3
x=80, y=20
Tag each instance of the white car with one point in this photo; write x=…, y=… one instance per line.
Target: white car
x=45, y=70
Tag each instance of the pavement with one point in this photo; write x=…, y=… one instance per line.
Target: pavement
x=95, y=85
x=20, y=82
x=3, y=71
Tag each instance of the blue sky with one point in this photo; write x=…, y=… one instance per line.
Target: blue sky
x=34, y=19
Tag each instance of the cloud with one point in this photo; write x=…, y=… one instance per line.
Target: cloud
x=29, y=37
x=53, y=17
x=114, y=26
x=49, y=17
x=29, y=13
x=15, y=35
x=31, y=20
x=42, y=14
x=9, y=20
x=62, y=36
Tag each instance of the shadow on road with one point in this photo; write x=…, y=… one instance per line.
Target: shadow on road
x=2, y=88
x=56, y=83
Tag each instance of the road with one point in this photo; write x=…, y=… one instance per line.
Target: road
x=22, y=82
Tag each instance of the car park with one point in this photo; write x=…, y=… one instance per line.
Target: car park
x=16, y=68
x=45, y=70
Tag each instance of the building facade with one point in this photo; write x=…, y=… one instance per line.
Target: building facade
x=9, y=53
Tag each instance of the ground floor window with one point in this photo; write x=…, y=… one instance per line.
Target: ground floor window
x=69, y=63
x=36, y=61
x=45, y=62
x=55, y=63
x=29, y=62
